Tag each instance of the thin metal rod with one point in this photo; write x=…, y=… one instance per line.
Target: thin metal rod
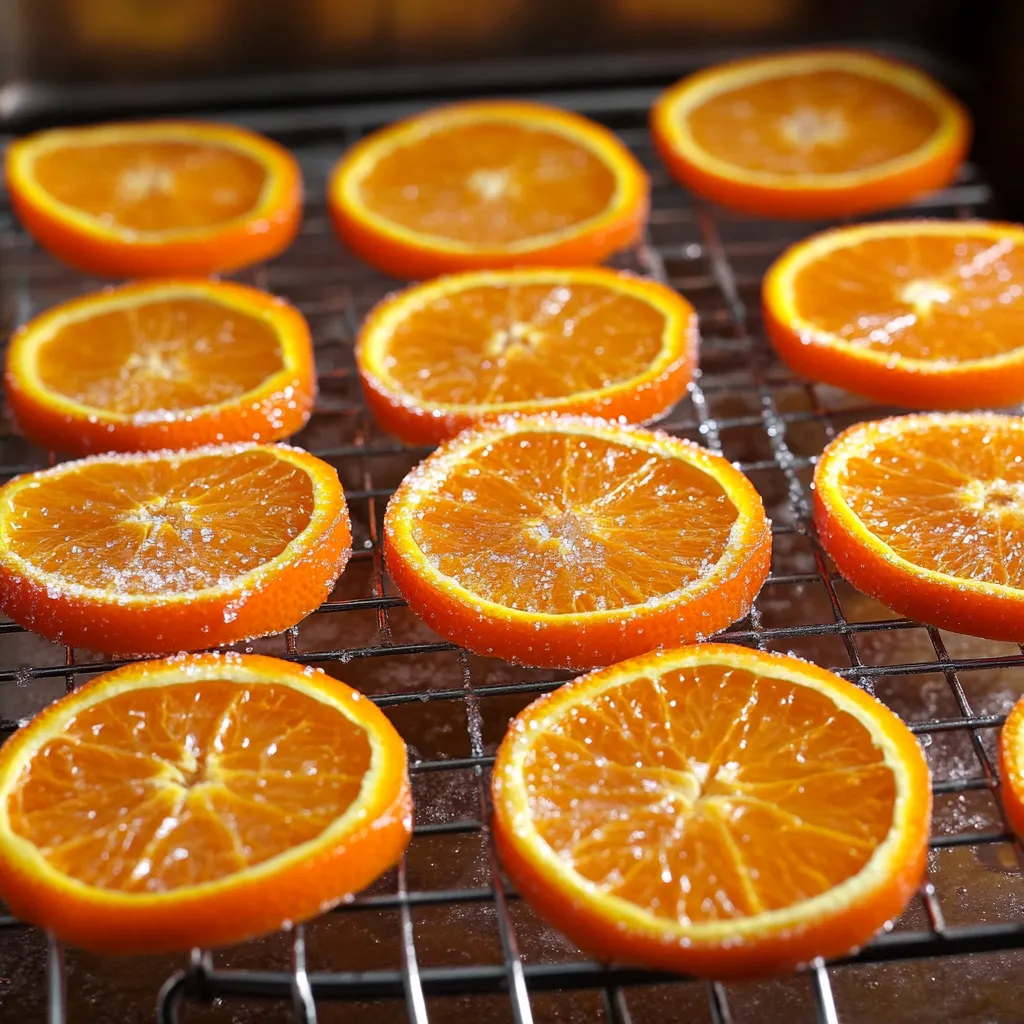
x=718, y=1003
x=302, y=992
x=615, y=1007
x=933, y=908
x=414, y=999
x=171, y=993
x=521, y=1011
x=56, y=982
x=821, y=989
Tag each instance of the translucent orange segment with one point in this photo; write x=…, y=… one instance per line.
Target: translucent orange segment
x=520, y=343
x=161, y=787
x=153, y=186
x=926, y=296
x=949, y=500
x=488, y=182
x=710, y=793
x=166, y=354
x=600, y=525
x=813, y=122
x=161, y=526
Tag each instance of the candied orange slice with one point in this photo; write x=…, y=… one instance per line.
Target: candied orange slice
x=819, y=133
x=568, y=541
x=162, y=364
x=1011, y=767
x=441, y=356
x=713, y=810
x=926, y=514
x=481, y=185
x=144, y=199
x=918, y=312
x=201, y=800
x=171, y=551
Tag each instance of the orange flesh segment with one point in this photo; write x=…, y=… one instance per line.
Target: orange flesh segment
x=167, y=786
x=950, y=502
x=153, y=186
x=159, y=355
x=710, y=793
x=953, y=298
x=488, y=182
x=593, y=525
x=814, y=122
x=518, y=343
x=156, y=527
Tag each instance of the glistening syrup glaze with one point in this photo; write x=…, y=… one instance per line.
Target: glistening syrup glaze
x=172, y=786
x=557, y=523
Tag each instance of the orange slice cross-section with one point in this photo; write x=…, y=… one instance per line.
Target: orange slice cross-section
x=1011, y=767
x=712, y=810
x=162, y=364
x=923, y=313
x=926, y=514
x=567, y=541
x=155, y=198
x=441, y=356
x=198, y=801
x=171, y=551
x=819, y=133
x=488, y=184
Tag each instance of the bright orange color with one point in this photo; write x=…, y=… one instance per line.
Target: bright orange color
x=1011, y=767
x=918, y=313
x=819, y=133
x=162, y=364
x=569, y=541
x=713, y=810
x=441, y=356
x=483, y=185
x=926, y=514
x=198, y=801
x=155, y=198
x=171, y=551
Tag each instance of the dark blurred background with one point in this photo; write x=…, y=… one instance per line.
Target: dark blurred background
x=66, y=60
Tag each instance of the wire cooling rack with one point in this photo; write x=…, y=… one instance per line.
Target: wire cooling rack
x=443, y=937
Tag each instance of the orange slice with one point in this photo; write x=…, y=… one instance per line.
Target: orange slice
x=155, y=198
x=439, y=357
x=568, y=541
x=481, y=185
x=819, y=133
x=201, y=800
x=163, y=364
x=170, y=551
x=713, y=810
x=926, y=514
x=919, y=313
x=1011, y=767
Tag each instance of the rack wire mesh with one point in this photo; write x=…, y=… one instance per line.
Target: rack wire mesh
x=444, y=937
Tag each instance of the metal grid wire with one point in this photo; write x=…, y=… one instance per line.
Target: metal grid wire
x=444, y=937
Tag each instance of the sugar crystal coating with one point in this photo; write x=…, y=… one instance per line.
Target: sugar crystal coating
x=562, y=523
